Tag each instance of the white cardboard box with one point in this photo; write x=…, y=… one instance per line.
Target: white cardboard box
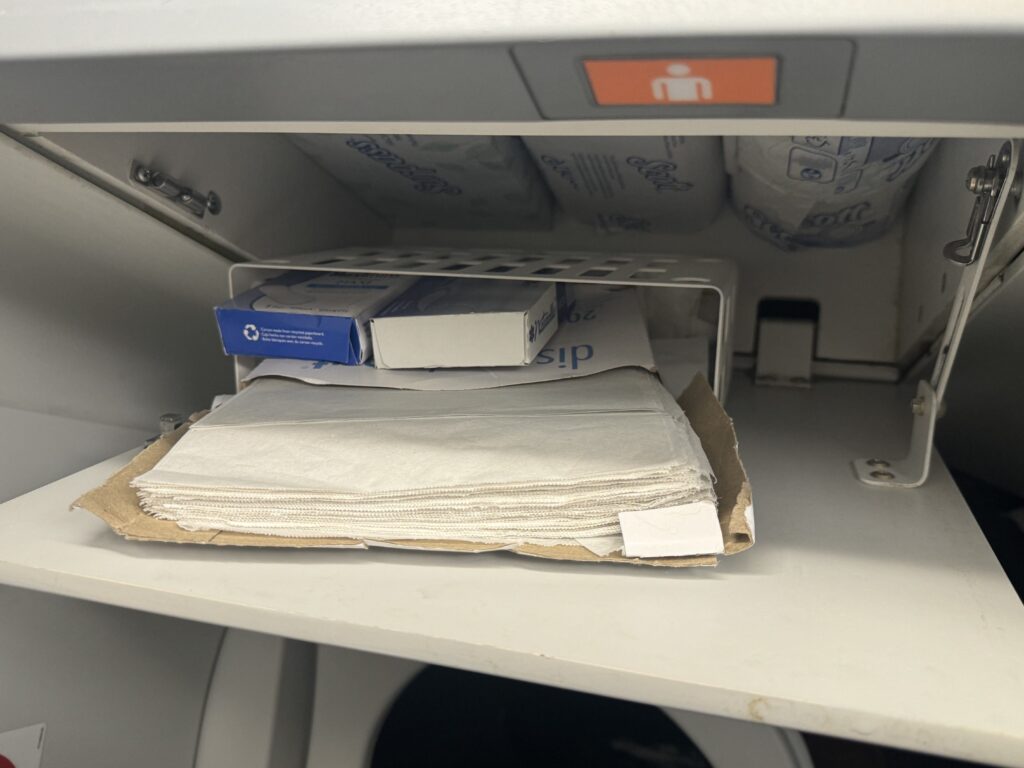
x=308, y=315
x=460, y=323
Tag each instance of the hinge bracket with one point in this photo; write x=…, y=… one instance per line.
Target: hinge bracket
x=180, y=194
x=993, y=184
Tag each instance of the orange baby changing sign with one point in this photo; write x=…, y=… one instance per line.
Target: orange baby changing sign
x=623, y=82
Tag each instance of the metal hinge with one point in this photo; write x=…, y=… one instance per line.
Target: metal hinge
x=993, y=184
x=184, y=196
x=985, y=181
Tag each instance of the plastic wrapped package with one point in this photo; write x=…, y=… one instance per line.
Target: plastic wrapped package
x=822, y=191
x=465, y=182
x=634, y=183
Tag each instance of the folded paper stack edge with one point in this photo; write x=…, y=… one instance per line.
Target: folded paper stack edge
x=117, y=504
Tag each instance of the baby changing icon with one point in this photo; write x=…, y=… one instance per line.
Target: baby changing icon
x=681, y=86
x=682, y=81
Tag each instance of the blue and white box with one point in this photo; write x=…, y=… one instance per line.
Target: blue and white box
x=308, y=316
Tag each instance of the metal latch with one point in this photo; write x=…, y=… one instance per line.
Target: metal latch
x=984, y=181
x=993, y=184
x=186, y=197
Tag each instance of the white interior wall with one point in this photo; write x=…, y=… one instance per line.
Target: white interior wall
x=275, y=200
x=38, y=447
x=105, y=321
x=106, y=315
x=114, y=687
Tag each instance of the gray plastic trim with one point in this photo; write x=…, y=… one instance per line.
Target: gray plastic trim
x=812, y=76
x=960, y=79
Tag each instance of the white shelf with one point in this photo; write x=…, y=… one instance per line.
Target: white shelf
x=68, y=28
x=871, y=614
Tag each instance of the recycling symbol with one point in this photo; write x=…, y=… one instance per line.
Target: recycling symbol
x=251, y=332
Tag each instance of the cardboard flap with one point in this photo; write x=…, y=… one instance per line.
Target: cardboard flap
x=116, y=503
x=718, y=438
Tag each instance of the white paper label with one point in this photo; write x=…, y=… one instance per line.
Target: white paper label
x=22, y=748
x=686, y=529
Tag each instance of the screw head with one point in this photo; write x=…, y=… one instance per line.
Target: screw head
x=169, y=422
x=213, y=204
x=143, y=174
x=881, y=474
x=877, y=463
x=981, y=180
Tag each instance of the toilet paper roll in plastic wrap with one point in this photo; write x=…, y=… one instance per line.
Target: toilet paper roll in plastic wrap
x=634, y=183
x=829, y=191
x=464, y=182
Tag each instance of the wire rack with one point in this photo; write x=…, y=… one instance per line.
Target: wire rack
x=646, y=269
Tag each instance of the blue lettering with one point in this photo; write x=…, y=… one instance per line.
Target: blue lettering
x=660, y=173
x=561, y=169
x=765, y=227
x=904, y=162
x=577, y=354
x=829, y=219
x=542, y=322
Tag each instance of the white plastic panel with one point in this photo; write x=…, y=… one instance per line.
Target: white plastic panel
x=274, y=199
x=114, y=687
x=354, y=693
x=70, y=27
x=260, y=702
x=106, y=313
x=736, y=744
x=37, y=448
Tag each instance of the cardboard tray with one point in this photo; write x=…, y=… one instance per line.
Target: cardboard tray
x=116, y=503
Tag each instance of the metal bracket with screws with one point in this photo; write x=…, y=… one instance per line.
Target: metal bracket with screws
x=184, y=196
x=993, y=184
x=985, y=182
